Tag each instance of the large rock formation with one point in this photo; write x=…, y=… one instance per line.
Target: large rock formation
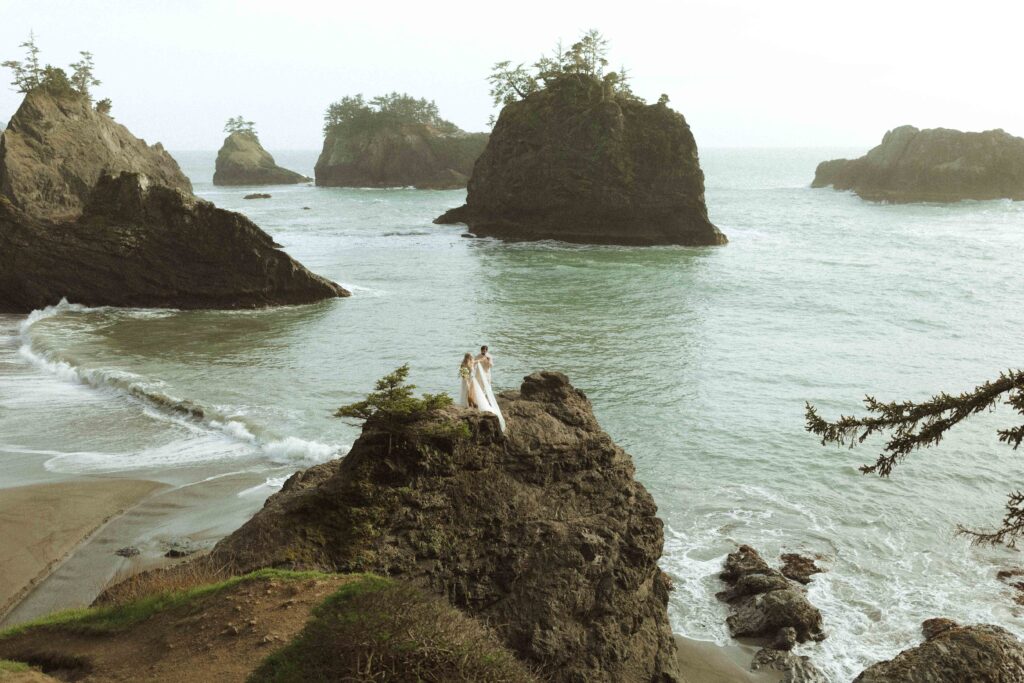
x=932, y=165
x=142, y=244
x=243, y=161
x=541, y=531
x=398, y=155
x=57, y=147
x=575, y=163
x=953, y=654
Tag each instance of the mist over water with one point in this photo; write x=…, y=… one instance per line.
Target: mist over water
x=698, y=362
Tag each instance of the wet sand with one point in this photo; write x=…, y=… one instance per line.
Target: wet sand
x=704, y=662
x=41, y=524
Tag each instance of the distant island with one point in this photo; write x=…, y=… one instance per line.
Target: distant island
x=932, y=165
x=394, y=140
x=576, y=156
x=243, y=161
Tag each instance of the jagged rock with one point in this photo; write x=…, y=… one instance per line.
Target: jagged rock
x=798, y=567
x=127, y=551
x=57, y=147
x=765, y=603
x=143, y=245
x=398, y=155
x=243, y=161
x=953, y=654
x=932, y=165
x=575, y=163
x=541, y=531
x=795, y=668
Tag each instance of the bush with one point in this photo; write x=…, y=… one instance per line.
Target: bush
x=393, y=401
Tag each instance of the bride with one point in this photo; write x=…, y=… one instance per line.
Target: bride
x=476, y=389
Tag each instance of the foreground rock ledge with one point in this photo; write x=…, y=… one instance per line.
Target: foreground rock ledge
x=571, y=163
x=542, y=531
x=144, y=245
x=932, y=165
x=243, y=161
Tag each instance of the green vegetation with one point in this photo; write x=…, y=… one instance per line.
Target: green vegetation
x=584, y=63
x=393, y=402
x=355, y=115
x=238, y=124
x=7, y=666
x=104, y=105
x=377, y=629
x=114, y=618
x=32, y=73
x=914, y=425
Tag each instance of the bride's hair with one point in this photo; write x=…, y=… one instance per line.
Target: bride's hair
x=467, y=359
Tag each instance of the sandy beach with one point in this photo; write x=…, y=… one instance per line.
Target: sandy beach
x=41, y=524
x=705, y=662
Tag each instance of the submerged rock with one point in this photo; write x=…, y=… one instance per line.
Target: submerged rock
x=541, y=531
x=243, y=161
x=143, y=245
x=765, y=604
x=794, y=668
x=57, y=147
x=798, y=567
x=257, y=195
x=932, y=165
x=952, y=654
x=398, y=155
x=572, y=162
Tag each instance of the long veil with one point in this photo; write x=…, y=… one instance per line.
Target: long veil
x=484, y=394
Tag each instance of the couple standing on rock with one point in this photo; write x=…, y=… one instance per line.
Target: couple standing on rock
x=476, y=391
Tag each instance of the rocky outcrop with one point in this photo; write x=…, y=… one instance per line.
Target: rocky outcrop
x=765, y=604
x=398, y=155
x=57, y=147
x=951, y=654
x=540, y=531
x=573, y=163
x=145, y=245
x=932, y=165
x=798, y=567
x=243, y=161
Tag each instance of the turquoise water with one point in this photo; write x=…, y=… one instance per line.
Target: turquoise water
x=698, y=361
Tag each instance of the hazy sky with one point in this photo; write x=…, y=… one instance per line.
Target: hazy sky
x=750, y=73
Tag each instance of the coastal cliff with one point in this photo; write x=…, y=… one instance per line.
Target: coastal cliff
x=57, y=146
x=932, y=165
x=394, y=141
x=243, y=161
x=576, y=163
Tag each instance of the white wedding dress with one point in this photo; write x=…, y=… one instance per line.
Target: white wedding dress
x=483, y=395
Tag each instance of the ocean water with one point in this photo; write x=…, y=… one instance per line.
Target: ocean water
x=698, y=361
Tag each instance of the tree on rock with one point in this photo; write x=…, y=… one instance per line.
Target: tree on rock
x=82, y=77
x=238, y=124
x=28, y=75
x=913, y=425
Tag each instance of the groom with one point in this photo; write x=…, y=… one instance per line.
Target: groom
x=486, y=362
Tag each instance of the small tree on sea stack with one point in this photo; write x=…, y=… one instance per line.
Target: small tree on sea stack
x=393, y=402
x=82, y=78
x=104, y=105
x=238, y=124
x=913, y=425
x=28, y=75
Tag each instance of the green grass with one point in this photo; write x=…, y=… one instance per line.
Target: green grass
x=7, y=666
x=114, y=618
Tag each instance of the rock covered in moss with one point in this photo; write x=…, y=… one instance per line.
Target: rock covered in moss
x=932, y=165
x=243, y=161
x=541, y=531
x=576, y=163
x=57, y=147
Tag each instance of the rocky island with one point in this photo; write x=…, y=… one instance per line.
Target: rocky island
x=90, y=213
x=576, y=156
x=932, y=165
x=394, y=141
x=243, y=161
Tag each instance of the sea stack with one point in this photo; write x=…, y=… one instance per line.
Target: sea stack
x=932, y=165
x=541, y=531
x=90, y=213
x=243, y=161
x=394, y=141
x=578, y=162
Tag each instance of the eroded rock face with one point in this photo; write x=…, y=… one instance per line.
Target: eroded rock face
x=765, y=604
x=144, y=245
x=574, y=163
x=402, y=155
x=952, y=654
x=57, y=147
x=243, y=161
x=542, y=531
x=932, y=165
